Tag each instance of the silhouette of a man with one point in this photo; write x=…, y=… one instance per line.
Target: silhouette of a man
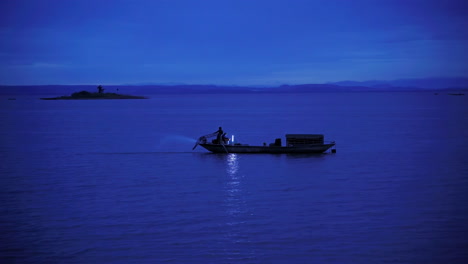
x=219, y=136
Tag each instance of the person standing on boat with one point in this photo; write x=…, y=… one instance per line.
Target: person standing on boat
x=225, y=139
x=219, y=136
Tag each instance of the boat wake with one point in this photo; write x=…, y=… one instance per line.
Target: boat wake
x=173, y=139
x=175, y=143
x=163, y=144
x=141, y=153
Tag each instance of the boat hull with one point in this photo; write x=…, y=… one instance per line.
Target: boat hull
x=217, y=148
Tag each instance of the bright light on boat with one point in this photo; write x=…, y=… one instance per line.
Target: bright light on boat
x=232, y=139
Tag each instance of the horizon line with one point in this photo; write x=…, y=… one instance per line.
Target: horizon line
x=246, y=85
x=238, y=85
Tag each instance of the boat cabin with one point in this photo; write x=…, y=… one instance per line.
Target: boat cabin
x=303, y=139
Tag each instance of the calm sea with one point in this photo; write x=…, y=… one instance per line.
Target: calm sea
x=116, y=181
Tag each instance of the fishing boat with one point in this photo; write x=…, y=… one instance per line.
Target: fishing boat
x=295, y=143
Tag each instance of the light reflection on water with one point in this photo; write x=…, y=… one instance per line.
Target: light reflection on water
x=233, y=198
x=236, y=207
x=233, y=164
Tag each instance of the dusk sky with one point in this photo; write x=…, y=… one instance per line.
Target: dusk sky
x=239, y=42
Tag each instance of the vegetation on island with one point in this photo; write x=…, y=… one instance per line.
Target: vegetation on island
x=99, y=95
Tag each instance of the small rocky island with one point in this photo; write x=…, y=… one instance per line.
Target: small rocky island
x=99, y=95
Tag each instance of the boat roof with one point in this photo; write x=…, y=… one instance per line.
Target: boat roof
x=303, y=135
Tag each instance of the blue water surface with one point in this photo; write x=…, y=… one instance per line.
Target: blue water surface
x=116, y=181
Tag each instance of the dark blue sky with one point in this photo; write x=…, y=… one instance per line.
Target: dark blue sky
x=243, y=42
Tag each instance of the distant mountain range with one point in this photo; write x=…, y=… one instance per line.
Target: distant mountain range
x=425, y=83
x=343, y=86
